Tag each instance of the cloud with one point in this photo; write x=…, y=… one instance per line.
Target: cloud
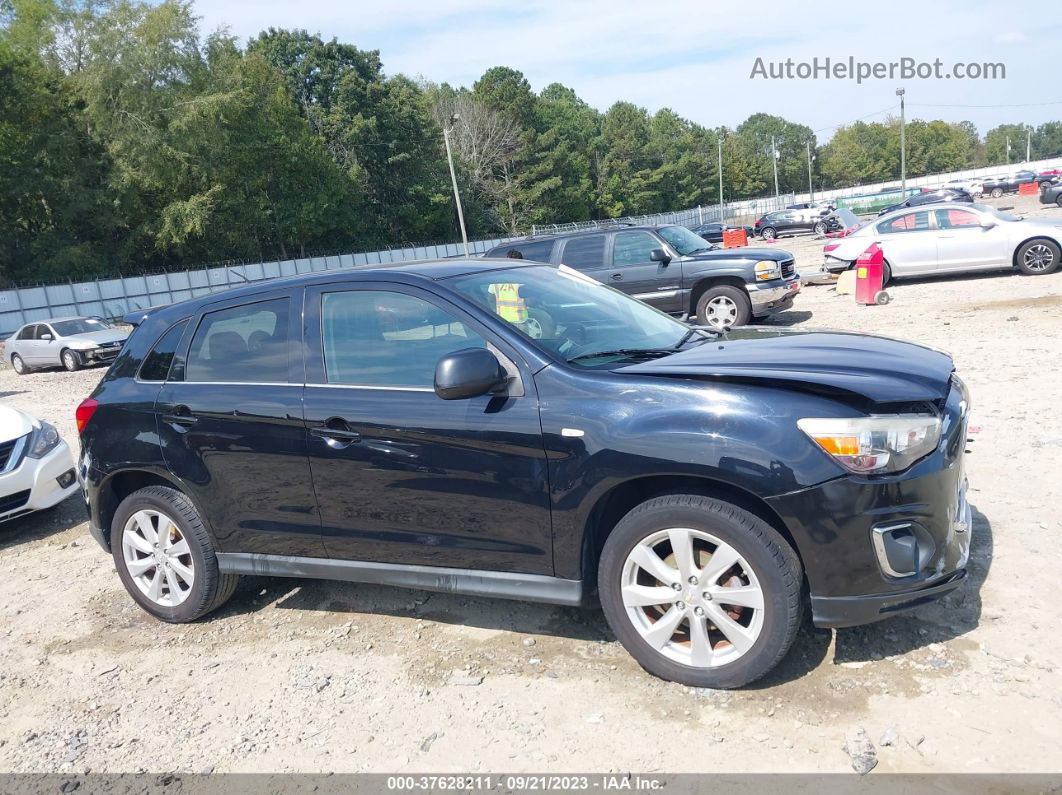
x=1010, y=37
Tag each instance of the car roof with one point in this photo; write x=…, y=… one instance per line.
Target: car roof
x=600, y=230
x=57, y=320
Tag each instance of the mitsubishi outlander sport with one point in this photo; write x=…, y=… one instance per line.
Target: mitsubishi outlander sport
x=392, y=424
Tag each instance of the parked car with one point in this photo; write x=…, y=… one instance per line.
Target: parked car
x=1052, y=194
x=713, y=232
x=812, y=210
x=36, y=468
x=400, y=426
x=952, y=238
x=674, y=270
x=70, y=342
x=997, y=186
x=773, y=225
x=930, y=197
x=972, y=185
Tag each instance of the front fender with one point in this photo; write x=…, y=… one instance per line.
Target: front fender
x=740, y=435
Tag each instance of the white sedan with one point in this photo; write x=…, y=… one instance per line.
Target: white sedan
x=951, y=238
x=971, y=185
x=36, y=469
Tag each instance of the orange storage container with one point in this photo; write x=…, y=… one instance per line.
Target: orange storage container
x=1028, y=189
x=733, y=238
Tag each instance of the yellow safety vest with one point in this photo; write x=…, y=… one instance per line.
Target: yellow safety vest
x=508, y=303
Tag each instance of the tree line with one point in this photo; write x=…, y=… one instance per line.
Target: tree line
x=132, y=141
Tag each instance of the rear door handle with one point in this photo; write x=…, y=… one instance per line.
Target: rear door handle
x=181, y=415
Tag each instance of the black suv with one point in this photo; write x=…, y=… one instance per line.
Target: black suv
x=674, y=270
x=400, y=425
x=789, y=222
x=931, y=197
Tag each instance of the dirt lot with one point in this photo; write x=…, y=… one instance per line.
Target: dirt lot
x=308, y=676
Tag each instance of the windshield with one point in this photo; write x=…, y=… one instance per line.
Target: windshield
x=80, y=325
x=569, y=315
x=996, y=213
x=683, y=240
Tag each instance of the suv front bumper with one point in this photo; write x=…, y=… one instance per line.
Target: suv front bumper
x=773, y=296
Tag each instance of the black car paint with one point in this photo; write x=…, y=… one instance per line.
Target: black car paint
x=680, y=280
x=1052, y=194
x=713, y=233
x=1009, y=184
x=931, y=197
x=491, y=495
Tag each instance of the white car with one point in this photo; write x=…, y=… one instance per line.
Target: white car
x=951, y=238
x=36, y=468
x=971, y=185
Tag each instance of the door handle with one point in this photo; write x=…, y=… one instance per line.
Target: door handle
x=181, y=415
x=617, y=277
x=336, y=431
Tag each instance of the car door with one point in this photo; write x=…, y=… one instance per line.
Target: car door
x=26, y=346
x=909, y=243
x=230, y=423
x=403, y=476
x=48, y=347
x=963, y=244
x=659, y=284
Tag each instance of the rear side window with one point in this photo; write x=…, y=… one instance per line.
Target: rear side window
x=26, y=333
x=538, y=250
x=584, y=252
x=156, y=366
x=244, y=344
x=909, y=222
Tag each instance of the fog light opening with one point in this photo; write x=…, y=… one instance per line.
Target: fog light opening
x=66, y=479
x=901, y=549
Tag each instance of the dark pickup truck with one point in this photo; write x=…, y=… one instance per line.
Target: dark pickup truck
x=674, y=270
x=997, y=186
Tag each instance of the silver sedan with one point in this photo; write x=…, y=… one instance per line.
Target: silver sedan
x=951, y=238
x=70, y=342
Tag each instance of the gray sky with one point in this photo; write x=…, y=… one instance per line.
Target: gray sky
x=696, y=57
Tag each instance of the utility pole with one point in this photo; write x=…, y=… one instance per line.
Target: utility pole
x=903, y=144
x=774, y=162
x=721, y=219
x=453, y=179
x=1008, y=150
x=811, y=185
x=1028, y=145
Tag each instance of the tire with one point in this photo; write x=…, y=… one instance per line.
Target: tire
x=886, y=273
x=1058, y=200
x=768, y=233
x=721, y=303
x=18, y=365
x=997, y=192
x=71, y=360
x=1038, y=257
x=763, y=561
x=209, y=588
x=819, y=228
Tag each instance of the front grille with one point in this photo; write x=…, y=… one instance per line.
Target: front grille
x=788, y=268
x=14, y=501
x=6, y=449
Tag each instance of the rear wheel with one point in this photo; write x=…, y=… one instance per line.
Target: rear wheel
x=1058, y=200
x=165, y=557
x=820, y=228
x=700, y=591
x=724, y=306
x=1038, y=257
x=997, y=192
x=18, y=365
x=71, y=360
x=886, y=273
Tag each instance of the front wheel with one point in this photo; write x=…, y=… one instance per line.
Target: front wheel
x=724, y=306
x=1038, y=257
x=820, y=228
x=165, y=557
x=768, y=233
x=71, y=360
x=700, y=592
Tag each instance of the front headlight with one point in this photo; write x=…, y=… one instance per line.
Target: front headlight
x=874, y=445
x=44, y=440
x=767, y=269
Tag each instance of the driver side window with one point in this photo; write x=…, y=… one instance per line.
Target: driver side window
x=633, y=248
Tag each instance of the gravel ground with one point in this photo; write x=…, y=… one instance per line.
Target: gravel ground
x=311, y=676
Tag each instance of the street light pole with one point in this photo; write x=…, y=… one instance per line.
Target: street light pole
x=811, y=185
x=1008, y=150
x=453, y=179
x=1028, y=145
x=721, y=219
x=774, y=162
x=903, y=144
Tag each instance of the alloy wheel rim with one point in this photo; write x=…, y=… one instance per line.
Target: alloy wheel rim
x=158, y=558
x=722, y=312
x=692, y=597
x=1039, y=257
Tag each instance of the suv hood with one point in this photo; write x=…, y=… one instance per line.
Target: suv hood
x=882, y=370
x=730, y=254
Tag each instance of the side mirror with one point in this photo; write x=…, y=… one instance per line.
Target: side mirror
x=468, y=373
x=47, y=337
x=659, y=255
x=987, y=223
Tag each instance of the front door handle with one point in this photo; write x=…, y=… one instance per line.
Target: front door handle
x=617, y=277
x=181, y=415
x=336, y=432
